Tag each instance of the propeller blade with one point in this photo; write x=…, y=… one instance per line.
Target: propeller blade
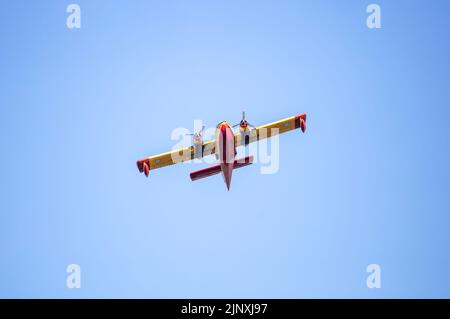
x=197, y=133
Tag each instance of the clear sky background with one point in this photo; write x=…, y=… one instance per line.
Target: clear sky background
x=367, y=183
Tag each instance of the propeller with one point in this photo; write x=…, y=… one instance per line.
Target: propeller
x=199, y=133
x=243, y=123
x=197, y=136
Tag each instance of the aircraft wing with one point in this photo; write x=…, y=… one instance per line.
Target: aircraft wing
x=271, y=129
x=174, y=157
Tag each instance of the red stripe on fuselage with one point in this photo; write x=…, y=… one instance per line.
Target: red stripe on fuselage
x=226, y=148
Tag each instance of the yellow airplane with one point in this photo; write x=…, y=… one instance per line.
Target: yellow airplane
x=223, y=146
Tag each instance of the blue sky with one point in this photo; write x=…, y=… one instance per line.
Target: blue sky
x=368, y=182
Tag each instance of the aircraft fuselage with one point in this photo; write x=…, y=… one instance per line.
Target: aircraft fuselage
x=226, y=150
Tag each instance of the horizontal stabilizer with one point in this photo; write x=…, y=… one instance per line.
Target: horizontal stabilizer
x=206, y=172
x=213, y=170
x=243, y=162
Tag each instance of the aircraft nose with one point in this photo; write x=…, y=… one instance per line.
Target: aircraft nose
x=223, y=127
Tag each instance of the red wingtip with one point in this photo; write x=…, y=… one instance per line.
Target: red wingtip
x=300, y=122
x=144, y=166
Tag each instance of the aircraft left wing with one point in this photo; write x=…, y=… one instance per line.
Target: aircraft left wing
x=174, y=157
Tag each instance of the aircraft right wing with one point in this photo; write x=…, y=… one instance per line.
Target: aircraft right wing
x=271, y=129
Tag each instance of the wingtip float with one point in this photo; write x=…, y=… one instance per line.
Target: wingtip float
x=223, y=146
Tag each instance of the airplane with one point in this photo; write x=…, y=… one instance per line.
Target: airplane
x=223, y=147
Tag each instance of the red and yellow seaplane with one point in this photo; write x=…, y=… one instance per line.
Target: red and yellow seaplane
x=223, y=147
